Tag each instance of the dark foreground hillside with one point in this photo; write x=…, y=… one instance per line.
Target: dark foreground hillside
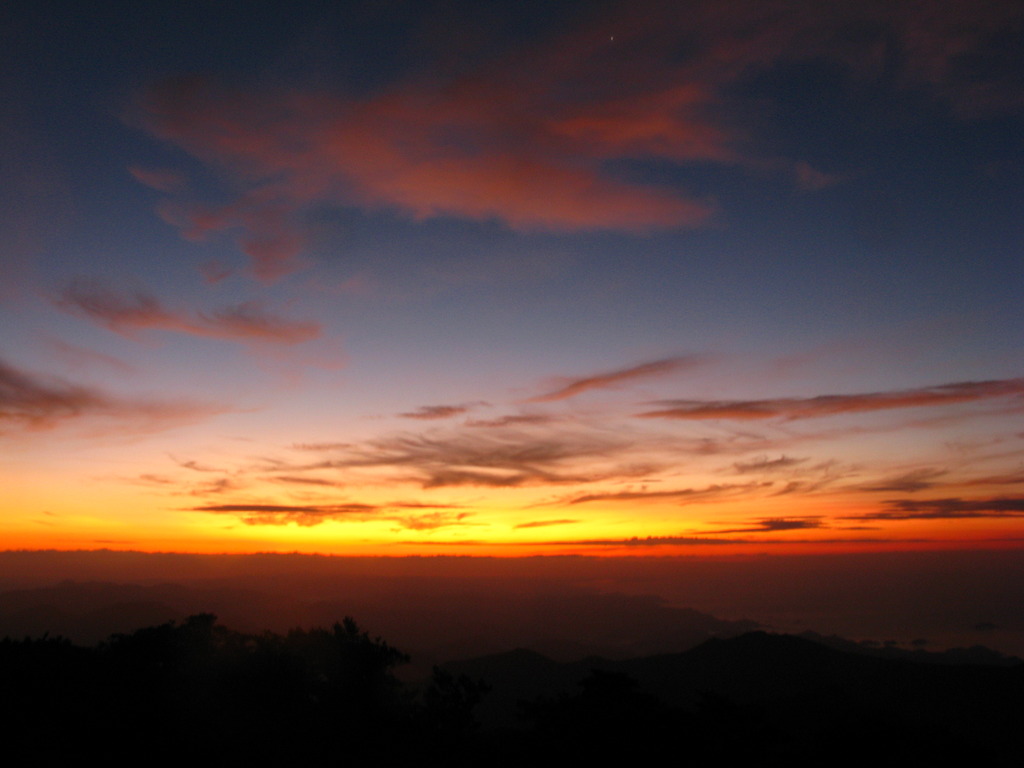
x=200, y=694
x=776, y=699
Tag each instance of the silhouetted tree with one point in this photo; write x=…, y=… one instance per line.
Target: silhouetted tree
x=609, y=719
x=449, y=703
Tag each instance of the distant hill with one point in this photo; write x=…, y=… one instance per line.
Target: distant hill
x=790, y=676
x=434, y=626
x=976, y=654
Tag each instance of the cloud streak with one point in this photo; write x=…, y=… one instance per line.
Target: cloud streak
x=310, y=515
x=605, y=380
x=545, y=523
x=497, y=458
x=33, y=402
x=684, y=495
x=775, y=524
x=422, y=150
x=947, y=509
x=513, y=420
x=908, y=482
x=790, y=409
x=764, y=464
x=282, y=514
x=128, y=313
x=435, y=412
x=160, y=179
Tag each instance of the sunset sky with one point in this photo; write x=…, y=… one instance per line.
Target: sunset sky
x=394, y=278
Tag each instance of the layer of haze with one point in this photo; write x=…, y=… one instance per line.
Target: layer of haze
x=442, y=608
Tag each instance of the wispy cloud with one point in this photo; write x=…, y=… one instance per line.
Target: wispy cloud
x=434, y=412
x=194, y=465
x=249, y=321
x=575, y=387
x=612, y=86
x=282, y=514
x=811, y=179
x=774, y=524
x=1007, y=478
x=497, y=458
x=764, y=464
x=309, y=515
x=648, y=541
x=946, y=509
x=513, y=420
x=908, y=482
x=267, y=231
x=805, y=486
x=645, y=542
x=394, y=150
x=831, y=405
x=431, y=521
x=75, y=356
x=300, y=480
x=545, y=523
x=33, y=402
x=28, y=401
x=127, y=313
x=321, y=447
x=122, y=313
x=160, y=179
x=684, y=495
x=216, y=487
x=446, y=478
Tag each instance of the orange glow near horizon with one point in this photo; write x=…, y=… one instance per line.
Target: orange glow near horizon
x=300, y=507
x=610, y=530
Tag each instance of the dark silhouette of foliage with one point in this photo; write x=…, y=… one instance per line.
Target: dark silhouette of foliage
x=449, y=702
x=609, y=719
x=199, y=688
x=197, y=692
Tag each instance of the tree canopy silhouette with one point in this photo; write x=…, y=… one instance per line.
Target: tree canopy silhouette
x=198, y=688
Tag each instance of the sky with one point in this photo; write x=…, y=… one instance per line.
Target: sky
x=604, y=278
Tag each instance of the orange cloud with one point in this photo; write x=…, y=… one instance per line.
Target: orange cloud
x=431, y=521
x=425, y=154
x=282, y=514
x=512, y=420
x=524, y=136
x=495, y=457
x=307, y=515
x=75, y=356
x=32, y=402
x=249, y=321
x=127, y=313
x=830, y=405
x=764, y=464
x=773, y=524
x=604, y=380
x=546, y=523
x=684, y=495
x=160, y=179
x=267, y=231
x=946, y=509
x=908, y=482
x=433, y=412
